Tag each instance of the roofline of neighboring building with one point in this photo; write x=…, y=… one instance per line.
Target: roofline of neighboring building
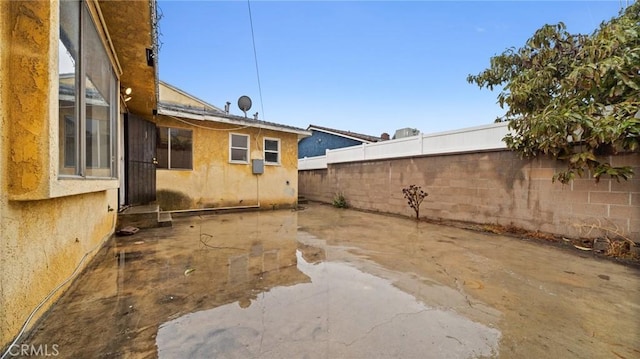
x=182, y=92
x=203, y=115
x=346, y=134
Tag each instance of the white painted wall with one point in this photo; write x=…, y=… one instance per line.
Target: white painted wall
x=310, y=163
x=480, y=138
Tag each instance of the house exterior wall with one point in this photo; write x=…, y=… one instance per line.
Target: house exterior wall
x=173, y=96
x=214, y=182
x=43, y=241
x=319, y=142
x=489, y=187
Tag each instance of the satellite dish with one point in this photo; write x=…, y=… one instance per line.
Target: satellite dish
x=244, y=102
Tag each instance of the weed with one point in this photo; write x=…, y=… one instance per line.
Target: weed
x=414, y=195
x=339, y=201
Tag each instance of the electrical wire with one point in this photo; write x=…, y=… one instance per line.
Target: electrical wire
x=54, y=291
x=255, y=57
x=257, y=136
x=207, y=128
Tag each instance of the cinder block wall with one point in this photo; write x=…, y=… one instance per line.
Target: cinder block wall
x=487, y=188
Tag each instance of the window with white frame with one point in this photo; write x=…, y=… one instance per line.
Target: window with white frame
x=238, y=148
x=272, y=151
x=174, y=148
x=88, y=97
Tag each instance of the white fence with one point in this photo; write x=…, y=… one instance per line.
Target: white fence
x=481, y=138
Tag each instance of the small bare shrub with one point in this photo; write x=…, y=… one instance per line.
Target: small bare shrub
x=414, y=195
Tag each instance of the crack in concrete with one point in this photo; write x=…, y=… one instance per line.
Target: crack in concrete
x=454, y=338
x=383, y=323
x=459, y=286
x=461, y=291
x=263, y=326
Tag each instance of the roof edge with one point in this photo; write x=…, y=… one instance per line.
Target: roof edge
x=165, y=110
x=353, y=135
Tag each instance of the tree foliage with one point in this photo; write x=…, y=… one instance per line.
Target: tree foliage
x=571, y=96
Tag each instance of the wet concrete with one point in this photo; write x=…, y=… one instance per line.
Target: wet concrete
x=331, y=283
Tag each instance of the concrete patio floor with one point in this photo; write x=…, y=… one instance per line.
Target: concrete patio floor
x=330, y=283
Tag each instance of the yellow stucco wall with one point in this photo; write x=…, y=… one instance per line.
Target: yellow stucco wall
x=214, y=182
x=174, y=96
x=43, y=240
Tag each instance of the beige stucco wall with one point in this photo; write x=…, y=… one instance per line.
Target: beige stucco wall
x=172, y=95
x=487, y=188
x=48, y=225
x=214, y=182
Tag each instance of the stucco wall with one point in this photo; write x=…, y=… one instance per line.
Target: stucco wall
x=174, y=96
x=319, y=142
x=491, y=187
x=214, y=182
x=42, y=240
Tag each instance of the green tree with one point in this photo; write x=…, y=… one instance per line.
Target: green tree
x=573, y=97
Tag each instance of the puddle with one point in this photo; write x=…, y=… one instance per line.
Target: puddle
x=327, y=283
x=342, y=312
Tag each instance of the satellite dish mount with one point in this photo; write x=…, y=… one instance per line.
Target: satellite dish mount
x=244, y=103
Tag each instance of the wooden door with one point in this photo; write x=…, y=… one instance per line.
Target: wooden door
x=140, y=159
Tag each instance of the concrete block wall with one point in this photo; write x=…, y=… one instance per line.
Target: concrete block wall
x=487, y=188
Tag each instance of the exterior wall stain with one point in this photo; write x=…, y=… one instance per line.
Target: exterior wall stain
x=42, y=241
x=172, y=200
x=215, y=182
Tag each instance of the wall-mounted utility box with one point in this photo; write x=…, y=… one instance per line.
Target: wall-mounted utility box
x=258, y=167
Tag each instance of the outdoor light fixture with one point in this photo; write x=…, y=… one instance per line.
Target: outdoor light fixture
x=150, y=57
x=126, y=93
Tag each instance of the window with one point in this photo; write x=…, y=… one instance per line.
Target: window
x=239, y=149
x=88, y=95
x=272, y=151
x=174, y=148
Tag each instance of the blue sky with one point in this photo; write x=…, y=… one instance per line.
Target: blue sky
x=362, y=66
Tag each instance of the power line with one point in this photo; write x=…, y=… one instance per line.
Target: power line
x=255, y=56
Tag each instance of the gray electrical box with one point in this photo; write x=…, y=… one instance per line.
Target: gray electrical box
x=258, y=167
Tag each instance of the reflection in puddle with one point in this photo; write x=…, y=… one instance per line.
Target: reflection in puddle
x=343, y=312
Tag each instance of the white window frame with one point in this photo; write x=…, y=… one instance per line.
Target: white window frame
x=265, y=151
x=231, y=148
x=80, y=169
x=167, y=131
